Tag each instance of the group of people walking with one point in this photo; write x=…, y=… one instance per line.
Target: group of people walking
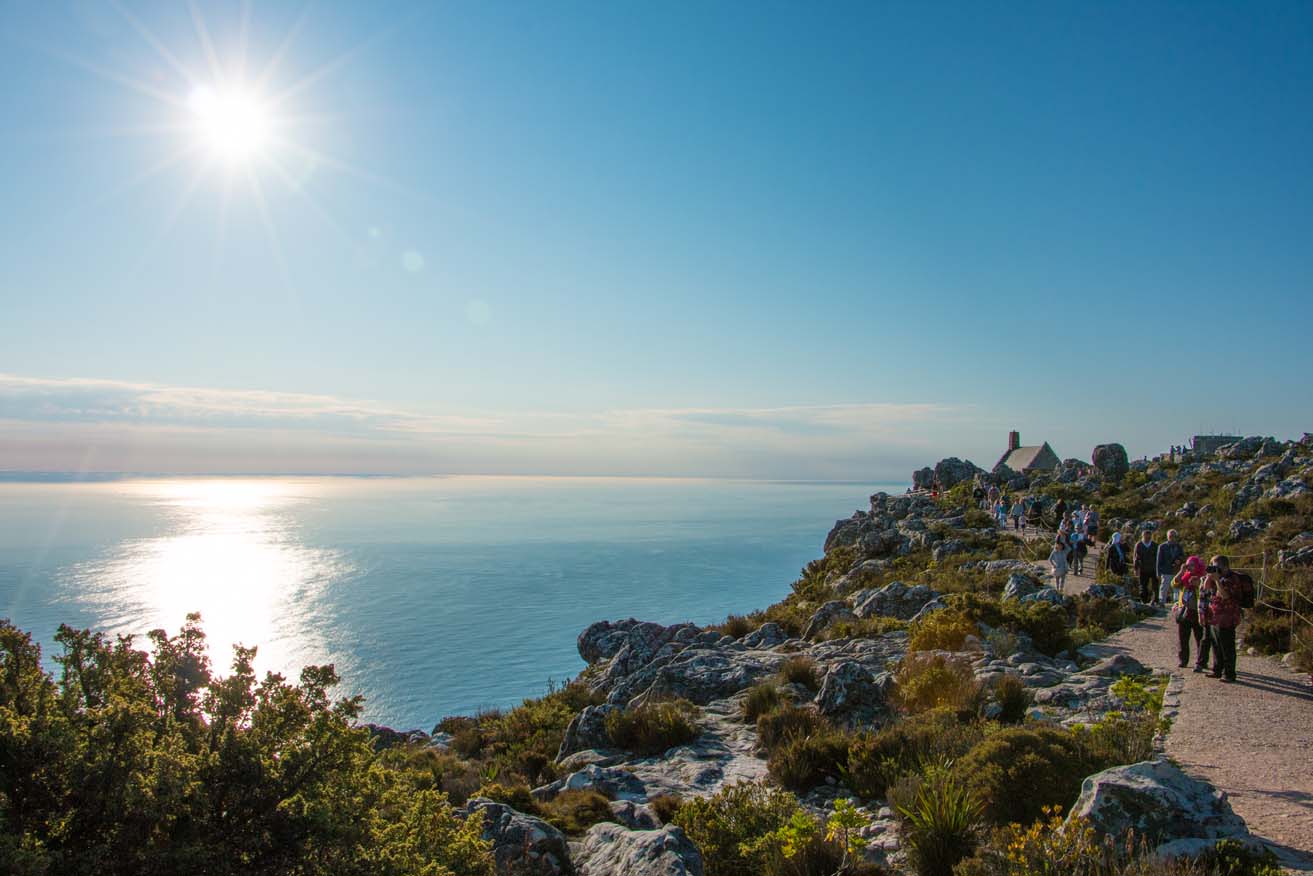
x=1077, y=531
x=1206, y=599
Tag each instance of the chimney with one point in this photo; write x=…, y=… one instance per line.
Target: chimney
x=1014, y=441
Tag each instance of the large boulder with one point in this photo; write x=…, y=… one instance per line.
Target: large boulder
x=521, y=843
x=701, y=672
x=923, y=478
x=611, y=850
x=946, y=549
x=953, y=471
x=1173, y=812
x=1245, y=448
x=612, y=783
x=851, y=691
x=586, y=730
x=1019, y=586
x=895, y=599
x=1111, y=461
x=827, y=615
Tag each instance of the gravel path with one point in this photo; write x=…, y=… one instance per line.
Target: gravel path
x=1252, y=739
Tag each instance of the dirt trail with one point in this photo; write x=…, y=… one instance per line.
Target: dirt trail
x=1252, y=739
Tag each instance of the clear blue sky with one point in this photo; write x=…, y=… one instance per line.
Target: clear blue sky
x=773, y=240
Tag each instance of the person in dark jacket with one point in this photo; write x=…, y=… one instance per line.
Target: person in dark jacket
x=1115, y=557
x=1185, y=610
x=1220, y=592
x=1169, y=560
x=1145, y=564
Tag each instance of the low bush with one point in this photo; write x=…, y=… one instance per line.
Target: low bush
x=862, y=628
x=574, y=811
x=1268, y=633
x=1016, y=772
x=1108, y=614
x=928, y=681
x=877, y=760
x=1013, y=698
x=1127, y=736
x=1003, y=643
x=666, y=806
x=1046, y=624
x=518, y=797
x=725, y=825
x=778, y=725
x=800, y=670
x=735, y=626
x=801, y=762
x=941, y=631
x=652, y=728
x=762, y=698
x=942, y=824
x=431, y=768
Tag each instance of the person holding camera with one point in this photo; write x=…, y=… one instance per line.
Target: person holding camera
x=1219, y=596
x=1185, y=610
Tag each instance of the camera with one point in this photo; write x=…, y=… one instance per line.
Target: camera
x=1214, y=569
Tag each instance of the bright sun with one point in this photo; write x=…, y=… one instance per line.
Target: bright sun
x=232, y=125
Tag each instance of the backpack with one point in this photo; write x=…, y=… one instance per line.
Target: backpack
x=1248, y=591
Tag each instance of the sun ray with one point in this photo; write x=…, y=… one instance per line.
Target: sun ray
x=221, y=226
x=329, y=67
x=322, y=212
x=184, y=198
x=243, y=34
x=346, y=167
x=169, y=161
x=118, y=78
x=162, y=50
x=276, y=59
x=207, y=45
x=275, y=243
x=106, y=132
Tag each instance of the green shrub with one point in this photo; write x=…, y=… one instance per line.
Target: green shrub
x=1003, y=642
x=981, y=608
x=1013, y=697
x=928, y=681
x=1046, y=624
x=775, y=727
x=801, y=762
x=145, y=762
x=574, y=811
x=518, y=797
x=1127, y=736
x=762, y=698
x=1016, y=772
x=431, y=769
x=1268, y=633
x=944, y=630
x=942, y=824
x=1104, y=612
x=652, y=728
x=862, y=628
x=800, y=670
x=877, y=760
x=735, y=626
x=723, y=824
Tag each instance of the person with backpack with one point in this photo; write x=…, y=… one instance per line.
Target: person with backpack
x=1059, y=512
x=1185, y=611
x=1223, y=591
x=1078, y=552
x=1092, y=526
x=1017, y=513
x=1036, y=516
x=1169, y=560
x=1145, y=564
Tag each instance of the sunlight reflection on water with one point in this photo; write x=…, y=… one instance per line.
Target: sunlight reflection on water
x=230, y=551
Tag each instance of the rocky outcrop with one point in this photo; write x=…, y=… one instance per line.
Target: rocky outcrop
x=611, y=850
x=521, y=843
x=611, y=782
x=635, y=816
x=699, y=672
x=1019, y=586
x=826, y=616
x=1111, y=461
x=586, y=730
x=1173, y=812
x=953, y=471
x=895, y=599
x=851, y=692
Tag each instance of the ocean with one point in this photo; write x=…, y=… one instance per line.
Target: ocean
x=431, y=596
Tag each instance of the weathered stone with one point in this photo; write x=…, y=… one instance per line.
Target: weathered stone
x=1242, y=529
x=635, y=816
x=1158, y=803
x=700, y=673
x=850, y=690
x=611, y=850
x=895, y=599
x=946, y=549
x=923, y=478
x=1111, y=461
x=521, y=843
x=826, y=616
x=1019, y=586
x=934, y=605
x=586, y=730
x=768, y=635
x=1045, y=594
x=611, y=782
x=953, y=471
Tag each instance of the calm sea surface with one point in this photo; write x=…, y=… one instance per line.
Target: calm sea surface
x=432, y=596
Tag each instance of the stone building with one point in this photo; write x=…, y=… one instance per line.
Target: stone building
x=1207, y=445
x=1030, y=458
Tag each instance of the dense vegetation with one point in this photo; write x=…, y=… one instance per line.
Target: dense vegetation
x=137, y=762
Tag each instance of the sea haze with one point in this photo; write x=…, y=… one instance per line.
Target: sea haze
x=432, y=596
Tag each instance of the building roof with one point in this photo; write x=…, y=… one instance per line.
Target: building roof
x=1026, y=457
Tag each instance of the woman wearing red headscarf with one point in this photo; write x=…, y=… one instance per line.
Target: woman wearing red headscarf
x=1186, y=610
